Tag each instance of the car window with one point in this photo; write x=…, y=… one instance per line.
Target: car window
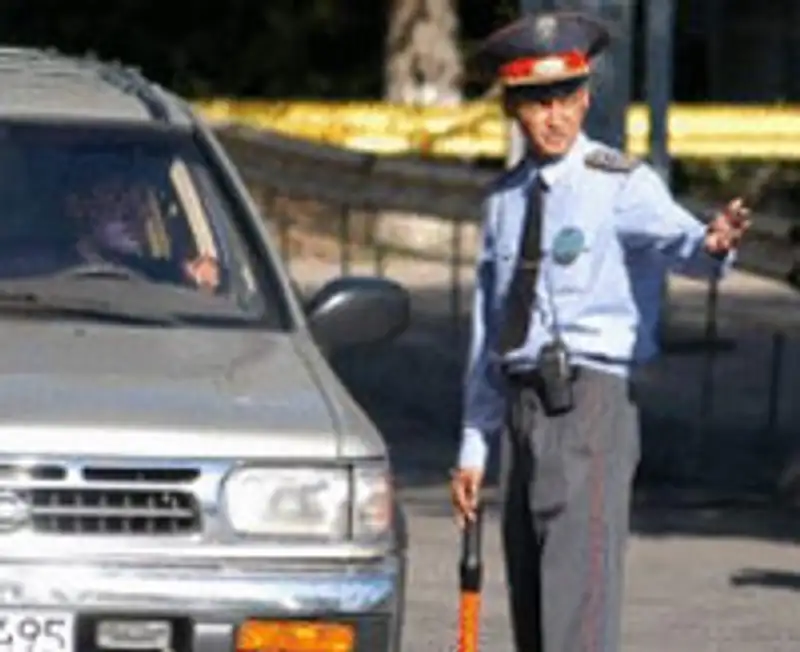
x=143, y=199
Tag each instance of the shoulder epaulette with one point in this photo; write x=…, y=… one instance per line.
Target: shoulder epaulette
x=610, y=160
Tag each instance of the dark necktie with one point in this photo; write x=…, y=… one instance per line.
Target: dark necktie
x=522, y=292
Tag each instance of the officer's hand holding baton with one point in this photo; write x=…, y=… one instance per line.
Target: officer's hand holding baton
x=470, y=583
x=465, y=489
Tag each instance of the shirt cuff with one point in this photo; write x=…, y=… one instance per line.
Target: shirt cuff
x=697, y=259
x=694, y=244
x=474, y=450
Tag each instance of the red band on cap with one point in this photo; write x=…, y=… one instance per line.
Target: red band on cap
x=555, y=66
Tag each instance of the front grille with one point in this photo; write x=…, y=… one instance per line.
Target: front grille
x=114, y=512
x=106, y=500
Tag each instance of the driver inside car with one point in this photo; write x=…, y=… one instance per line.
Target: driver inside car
x=124, y=225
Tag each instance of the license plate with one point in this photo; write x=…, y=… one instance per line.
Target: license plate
x=36, y=631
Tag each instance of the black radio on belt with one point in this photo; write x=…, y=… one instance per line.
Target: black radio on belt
x=555, y=373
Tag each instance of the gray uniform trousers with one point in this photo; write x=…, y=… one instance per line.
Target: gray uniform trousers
x=567, y=486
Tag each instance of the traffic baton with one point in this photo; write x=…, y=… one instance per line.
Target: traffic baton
x=470, y=584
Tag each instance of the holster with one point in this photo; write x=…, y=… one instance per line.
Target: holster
x=554, y=386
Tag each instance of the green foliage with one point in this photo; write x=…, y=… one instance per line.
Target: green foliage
x=278, y=48
x=330, y=49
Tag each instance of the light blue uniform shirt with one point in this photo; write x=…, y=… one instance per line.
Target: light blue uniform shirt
x=624, y=230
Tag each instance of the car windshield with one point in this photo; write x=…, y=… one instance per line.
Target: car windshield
x=127, y=214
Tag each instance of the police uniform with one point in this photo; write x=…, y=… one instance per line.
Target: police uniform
x=608, y=232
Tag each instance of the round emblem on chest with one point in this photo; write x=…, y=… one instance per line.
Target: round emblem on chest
x=568, y=244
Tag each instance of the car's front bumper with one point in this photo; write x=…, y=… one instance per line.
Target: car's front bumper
x=210, y=602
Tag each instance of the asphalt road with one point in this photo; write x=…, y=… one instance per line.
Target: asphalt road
x=698, y=581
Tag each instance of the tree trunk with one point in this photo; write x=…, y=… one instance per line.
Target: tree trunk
x=423, y=62
x=423, y=68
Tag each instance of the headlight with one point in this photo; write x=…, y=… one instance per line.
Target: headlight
x=318, y=503
x=372, y=514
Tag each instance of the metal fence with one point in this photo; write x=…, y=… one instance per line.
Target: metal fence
x=719, y=409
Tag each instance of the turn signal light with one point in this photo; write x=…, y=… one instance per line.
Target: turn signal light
x=294, y=636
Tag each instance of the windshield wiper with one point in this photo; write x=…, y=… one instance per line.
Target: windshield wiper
x=28, y=300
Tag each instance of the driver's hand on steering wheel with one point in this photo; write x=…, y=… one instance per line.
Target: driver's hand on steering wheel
x=203, y=271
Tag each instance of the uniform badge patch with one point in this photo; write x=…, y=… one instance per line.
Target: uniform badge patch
x=568, y=244
x=610, y=160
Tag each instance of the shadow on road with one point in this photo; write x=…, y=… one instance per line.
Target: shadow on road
x=766, y=522
x=770, y=579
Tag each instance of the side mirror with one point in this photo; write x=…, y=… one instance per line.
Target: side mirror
x=358, y=310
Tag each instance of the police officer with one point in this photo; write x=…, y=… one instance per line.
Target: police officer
x=577, y=239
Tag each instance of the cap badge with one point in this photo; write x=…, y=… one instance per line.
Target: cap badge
x=546, y=28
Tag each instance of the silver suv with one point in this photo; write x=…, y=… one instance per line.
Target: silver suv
x=180, y=469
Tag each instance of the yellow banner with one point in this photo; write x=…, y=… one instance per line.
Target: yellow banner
x=477, y=129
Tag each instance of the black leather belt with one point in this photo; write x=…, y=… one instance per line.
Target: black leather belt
x=532, y=377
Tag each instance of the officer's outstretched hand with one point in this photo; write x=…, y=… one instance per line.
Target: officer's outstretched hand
x=726, y=230
x=465, y=488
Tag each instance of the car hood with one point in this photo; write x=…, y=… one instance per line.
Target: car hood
x=111, y=390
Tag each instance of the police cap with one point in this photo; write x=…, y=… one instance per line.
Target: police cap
x=544, y=49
